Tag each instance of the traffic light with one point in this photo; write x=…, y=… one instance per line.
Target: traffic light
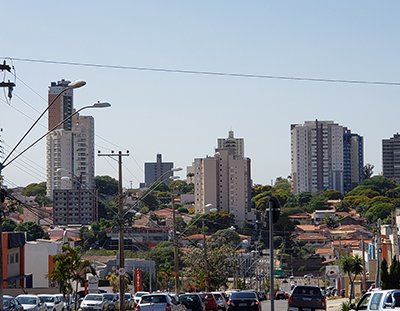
x=275, y=206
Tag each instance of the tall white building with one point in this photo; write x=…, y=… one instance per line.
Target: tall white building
x=224, y=181
x=232, y=143
x=321, y=157
x=70, y=148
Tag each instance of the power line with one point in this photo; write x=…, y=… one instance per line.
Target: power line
x=209, y=73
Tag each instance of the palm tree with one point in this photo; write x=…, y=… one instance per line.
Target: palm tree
x=70, y=267
x=353, y=266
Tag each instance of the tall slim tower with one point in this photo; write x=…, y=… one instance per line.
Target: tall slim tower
x=325, y=155
x=391, y=157
x=70, y=148
x=224, y=181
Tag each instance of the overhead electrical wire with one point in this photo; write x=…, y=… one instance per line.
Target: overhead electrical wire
x=207, y=73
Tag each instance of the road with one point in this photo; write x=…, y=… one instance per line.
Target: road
x=281, y=305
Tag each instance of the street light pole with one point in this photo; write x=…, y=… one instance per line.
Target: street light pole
x=4, y=164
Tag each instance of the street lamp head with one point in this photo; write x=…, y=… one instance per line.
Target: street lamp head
x=101, y=105
x=76, y=84
x=176, y=169
x=208, y=205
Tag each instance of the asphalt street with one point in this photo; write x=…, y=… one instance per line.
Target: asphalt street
x=281, y=305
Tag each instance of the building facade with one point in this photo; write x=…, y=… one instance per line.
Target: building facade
x=325, y=155
x=76, y=206
x=70, y=148
x=232, y=143
x=391, y=157
x=153, y=171
x=224, y=181
x=13, y=263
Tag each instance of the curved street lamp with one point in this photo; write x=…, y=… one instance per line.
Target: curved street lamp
x=72, y=85
x=95, y=105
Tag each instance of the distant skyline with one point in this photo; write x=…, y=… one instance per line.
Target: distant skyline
x=181, y=115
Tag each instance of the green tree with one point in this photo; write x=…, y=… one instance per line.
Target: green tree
x=70, y=267
x=9, y=225
x=353, y=266
x=385, y=275
x=379, y=210
x=106, y=186
x=33, y=230
x=367, y=171
x=181, y=186
x=35, y=189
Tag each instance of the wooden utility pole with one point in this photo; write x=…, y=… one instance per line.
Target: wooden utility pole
x=121, y=257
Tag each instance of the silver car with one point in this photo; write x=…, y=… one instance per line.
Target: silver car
x=31, y=302
x=158, y=302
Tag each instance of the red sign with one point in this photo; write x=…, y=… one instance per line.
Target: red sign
x=138, y=280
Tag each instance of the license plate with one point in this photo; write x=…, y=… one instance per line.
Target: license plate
x=188, y=309
x=306, y=309
x=244, y=305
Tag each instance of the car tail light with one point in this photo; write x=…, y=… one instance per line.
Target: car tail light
x=168, y=307
x=137, y=308
x=290, y=301
x=324, y=301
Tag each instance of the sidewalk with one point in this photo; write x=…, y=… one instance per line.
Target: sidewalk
x=334, y=304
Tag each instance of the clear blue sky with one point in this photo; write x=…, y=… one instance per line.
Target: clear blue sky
x=182, y=115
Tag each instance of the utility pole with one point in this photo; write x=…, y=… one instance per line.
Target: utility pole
x=364, y=275
x=175, y=241
x=121, y=257
x=378, y=255
x=9, y=85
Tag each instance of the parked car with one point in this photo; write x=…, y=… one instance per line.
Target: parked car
x=244, y=300
x=52, y=302
x=307, y=298
x=11, y=304
x=137, y=295
x=31, y=302
x=379, y=300
x=94, y=302
x=129, y=301
x=209, y=301
x=111, y=299
x=192, y=302
x=221, y=302
x=280, y=295
x=156, y=302
x=64, y=301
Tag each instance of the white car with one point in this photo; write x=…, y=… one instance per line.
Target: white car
x=137, y=295
x=31, y=302
x=52, y=302
x=94, y=302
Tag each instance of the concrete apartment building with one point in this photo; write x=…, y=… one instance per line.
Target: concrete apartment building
x=233, y=143
x=70, y=155
x=154, y=170
x=325, y=155
x=391, y=157
x=224, y=181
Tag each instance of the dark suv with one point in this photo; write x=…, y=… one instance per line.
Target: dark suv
x=306, y=298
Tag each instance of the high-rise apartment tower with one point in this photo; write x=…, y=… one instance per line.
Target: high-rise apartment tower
x=325, y=155
x=391, y=157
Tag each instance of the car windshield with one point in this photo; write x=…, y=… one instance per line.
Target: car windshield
x=154, y=299
x=189, y=298
x=46, y=299
x=6, y=302
x=304, y=290
x=108, y=296
x=238, y=295
x=27, y=300
x=140, y=294
x=94, y=297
